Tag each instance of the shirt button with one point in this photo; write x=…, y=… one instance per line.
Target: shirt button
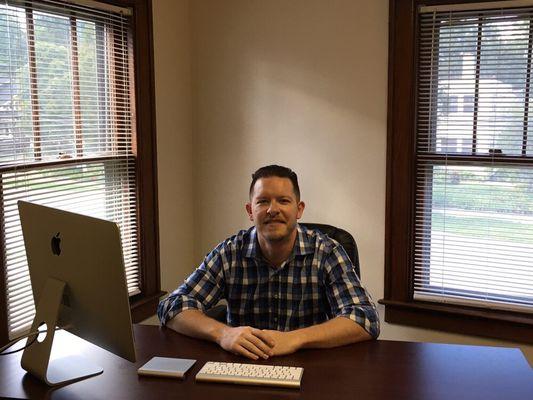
x=276, y=296
x=275, y=319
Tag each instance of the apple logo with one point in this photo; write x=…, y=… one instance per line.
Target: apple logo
x=56, y=244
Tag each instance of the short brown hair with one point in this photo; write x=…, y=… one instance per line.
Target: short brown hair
x=278, y=171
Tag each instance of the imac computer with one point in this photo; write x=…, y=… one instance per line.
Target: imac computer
x=79, y=284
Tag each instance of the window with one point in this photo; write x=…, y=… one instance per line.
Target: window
x=70, y=137
x=460, y=228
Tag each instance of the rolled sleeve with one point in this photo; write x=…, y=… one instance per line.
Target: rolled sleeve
x=347, y=297
x=200, y=291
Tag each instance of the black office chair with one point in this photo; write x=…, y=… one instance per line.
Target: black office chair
x=343, y=237
x=340, y=235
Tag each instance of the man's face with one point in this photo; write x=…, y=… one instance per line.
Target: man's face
x=274, y=208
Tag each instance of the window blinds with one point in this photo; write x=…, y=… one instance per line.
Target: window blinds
x=67, y=127
x=474, y=169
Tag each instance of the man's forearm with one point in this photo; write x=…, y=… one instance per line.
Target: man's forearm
x=243, y=340
x=196, y=324
x=335, y=332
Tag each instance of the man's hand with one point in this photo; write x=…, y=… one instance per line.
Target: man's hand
x=285, y=342
x=246, y=341
x=254, y=343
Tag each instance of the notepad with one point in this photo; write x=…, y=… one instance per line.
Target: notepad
x=166, y=367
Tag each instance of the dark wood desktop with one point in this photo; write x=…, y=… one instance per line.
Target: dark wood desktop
x=372, y=370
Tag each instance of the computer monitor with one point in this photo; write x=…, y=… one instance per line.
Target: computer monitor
x=79, y=283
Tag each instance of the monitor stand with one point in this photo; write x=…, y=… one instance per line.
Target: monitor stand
x=36, y=358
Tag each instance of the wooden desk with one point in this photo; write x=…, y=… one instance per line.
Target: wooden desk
x=371, y=370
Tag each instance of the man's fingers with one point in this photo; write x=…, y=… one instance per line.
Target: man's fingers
x=249, y=345
x=264, y=336
x=259, y=343
x=240, y=349
x=265, y=348
x=247, y=341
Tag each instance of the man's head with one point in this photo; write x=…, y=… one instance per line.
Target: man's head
x=275, y=204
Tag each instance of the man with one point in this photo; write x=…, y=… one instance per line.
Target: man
x=287, y=287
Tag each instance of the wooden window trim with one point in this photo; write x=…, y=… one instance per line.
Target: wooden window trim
x=145, y=303
x=400, y=307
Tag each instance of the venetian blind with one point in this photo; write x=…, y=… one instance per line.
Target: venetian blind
x=474, y=169
x=67, y=127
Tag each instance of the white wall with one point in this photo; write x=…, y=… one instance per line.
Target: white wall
x=174, y=139
x=302, y=83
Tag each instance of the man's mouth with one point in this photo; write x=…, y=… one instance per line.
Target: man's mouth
x=274, y=222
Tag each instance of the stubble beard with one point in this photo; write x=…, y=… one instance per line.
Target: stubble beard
x=277, y=236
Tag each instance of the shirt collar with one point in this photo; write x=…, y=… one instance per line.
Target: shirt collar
x=305, y=243
x=252, y=245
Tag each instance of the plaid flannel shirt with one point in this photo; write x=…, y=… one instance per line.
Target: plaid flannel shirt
x=316, y=283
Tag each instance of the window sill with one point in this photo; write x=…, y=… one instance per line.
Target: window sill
x=143, y=307
x=505, y=325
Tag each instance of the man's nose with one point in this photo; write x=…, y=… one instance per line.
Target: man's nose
x=273, y=208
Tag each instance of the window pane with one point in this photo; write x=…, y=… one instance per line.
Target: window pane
x=92, y=87
x=503, y=72
x=15, y=106
x=103, y=190
x=455, y=87
x=54, y=80
x=479, y=240
x=484, y=99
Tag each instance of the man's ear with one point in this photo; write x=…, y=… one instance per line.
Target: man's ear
x=249, y=211
x=301, y=206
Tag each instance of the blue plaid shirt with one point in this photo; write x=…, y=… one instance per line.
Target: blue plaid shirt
x=316, y=283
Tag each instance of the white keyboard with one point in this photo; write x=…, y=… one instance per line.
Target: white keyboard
x=250, y=374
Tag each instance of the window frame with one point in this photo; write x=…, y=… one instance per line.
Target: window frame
x=400, y=307
x=144, y=304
